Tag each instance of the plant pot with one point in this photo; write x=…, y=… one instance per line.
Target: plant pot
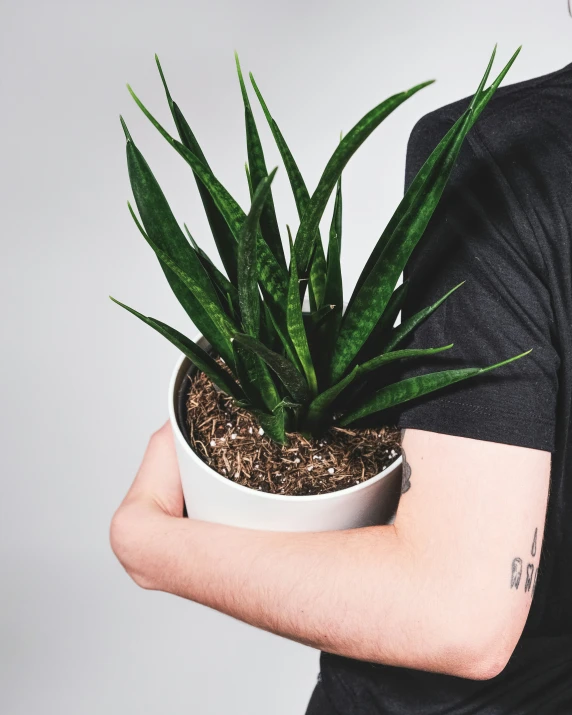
x=211, y=497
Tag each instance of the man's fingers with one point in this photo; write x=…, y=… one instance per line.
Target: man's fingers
x=158, y=476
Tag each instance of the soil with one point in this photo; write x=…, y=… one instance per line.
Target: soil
x=229, y=439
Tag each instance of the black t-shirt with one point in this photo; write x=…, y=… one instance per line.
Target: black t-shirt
x=504, y=225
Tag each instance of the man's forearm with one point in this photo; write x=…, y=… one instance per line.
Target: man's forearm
x=357, y=593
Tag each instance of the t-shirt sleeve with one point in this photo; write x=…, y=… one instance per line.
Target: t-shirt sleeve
x=478, y=235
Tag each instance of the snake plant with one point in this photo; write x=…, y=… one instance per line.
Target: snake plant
x=297, y=371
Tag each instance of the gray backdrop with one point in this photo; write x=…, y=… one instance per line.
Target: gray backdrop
x=84, y=383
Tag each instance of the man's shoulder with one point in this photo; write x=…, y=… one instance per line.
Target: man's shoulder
x=521, y=103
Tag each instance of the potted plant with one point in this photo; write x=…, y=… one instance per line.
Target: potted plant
x=267, y=403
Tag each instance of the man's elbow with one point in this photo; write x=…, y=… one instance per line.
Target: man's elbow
x=478, y=660
x=481, y=666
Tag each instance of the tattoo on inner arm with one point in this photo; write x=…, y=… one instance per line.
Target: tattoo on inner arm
x=531, y=571
x=516, y=572
x=405, y=474
x=529, y=575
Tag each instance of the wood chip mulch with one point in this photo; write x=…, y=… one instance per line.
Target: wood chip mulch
x=229, y=439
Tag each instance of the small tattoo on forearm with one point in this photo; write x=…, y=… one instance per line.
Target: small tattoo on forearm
x=529, y=574
x=516, y=572
x=531, y=571
x=405, y=474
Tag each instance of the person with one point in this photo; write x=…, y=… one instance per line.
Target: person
x=464, y=603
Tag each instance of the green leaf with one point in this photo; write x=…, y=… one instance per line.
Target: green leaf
x=268, y=334
x=199, y=357
x=255, y=378
x=415, y=210
x=384, y=325
x=227, y=293
x=281, y=331
x=249, y=180
x=223, y=236
x=257, y=166
x=288, y=374
x=306, y=234
x=301, y=194
x=318, y=407
x=162, y=229
x=274, y=425
x=413, y=387
x=334, y=293
x=325, y=335
x=302, y=199
x=318, y=316
x=215, y=312
x=248, y=294
x=317, y=282
x=273, y=276
x=296, y=328
x=479, y=101
x=160, y=225
x=402, y=330
x=364, y=312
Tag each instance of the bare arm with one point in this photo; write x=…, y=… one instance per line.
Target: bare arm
x=435, y=591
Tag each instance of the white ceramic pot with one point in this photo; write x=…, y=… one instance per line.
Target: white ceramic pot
x=211, y=497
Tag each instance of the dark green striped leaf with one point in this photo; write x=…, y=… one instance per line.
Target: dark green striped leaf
x=199, y=357
x=302, y=199
x=248, y=294
x=325, y=336
x=223, y=236
x=318, y=407
x=221, y=320
x=227, y=293
x=416, y=210
x=384, y=325
x=361, y=317
x=480, y=99
x=281, y=331
x=334, y=292
x=249, y=180
x=255, y=378
x=413, y=387
x=257, y=167
x=346, y=149
x=275, y=424
x=318, y=316
x=317, y=282
x=273, y=277
x=296, y=328
x=402, y=330
x=160, y=225
x=284, y=369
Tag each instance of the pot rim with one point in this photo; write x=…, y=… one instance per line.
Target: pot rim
x=338, y=494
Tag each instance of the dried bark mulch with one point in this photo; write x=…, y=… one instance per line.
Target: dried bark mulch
x=229, y=439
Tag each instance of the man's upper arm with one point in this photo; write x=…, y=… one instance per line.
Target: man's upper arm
x=472, y=516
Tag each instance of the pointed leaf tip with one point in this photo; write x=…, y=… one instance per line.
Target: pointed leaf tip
x=125, y=130
x=164, y=81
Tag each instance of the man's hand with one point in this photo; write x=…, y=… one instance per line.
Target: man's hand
x=153, y=504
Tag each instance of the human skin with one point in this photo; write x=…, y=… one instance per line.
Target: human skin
x=435, y=591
